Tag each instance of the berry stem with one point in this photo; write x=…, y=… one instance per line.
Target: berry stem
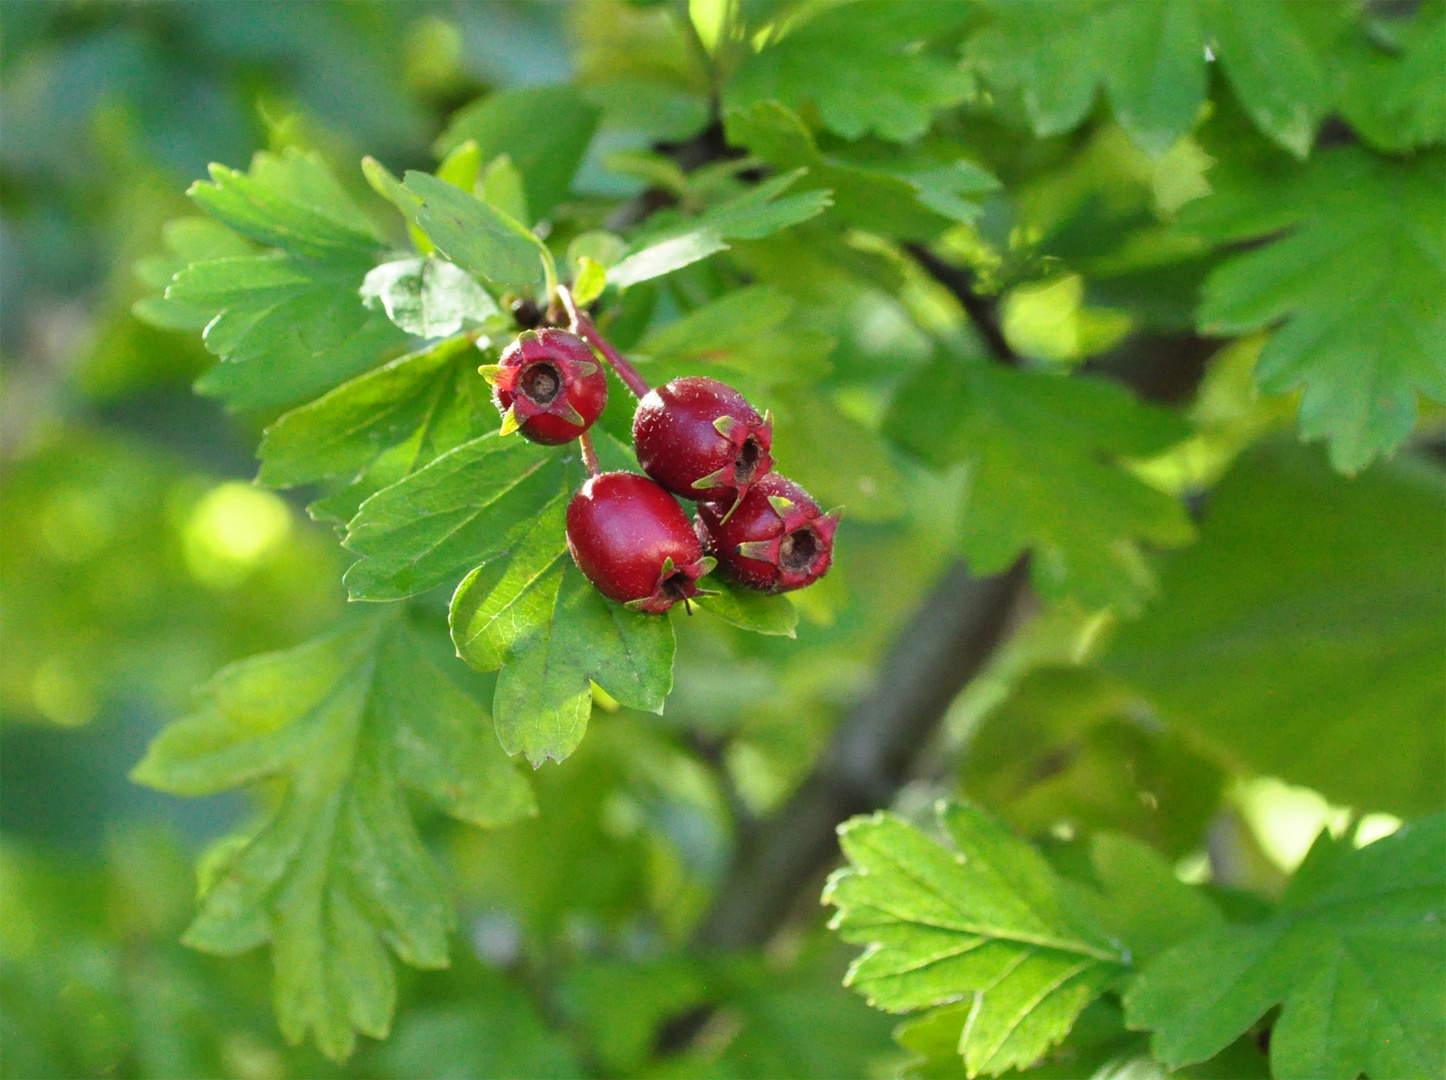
x=589, y=454
x=585, y=328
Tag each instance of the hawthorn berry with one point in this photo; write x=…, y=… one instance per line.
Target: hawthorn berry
x=701, y=439
x=775, y=540
x=548, y=386
x=634, y=543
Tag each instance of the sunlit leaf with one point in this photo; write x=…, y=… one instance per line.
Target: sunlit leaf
x=988, y=920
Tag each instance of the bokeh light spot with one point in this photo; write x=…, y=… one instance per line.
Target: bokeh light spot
x=231, y=531
x=61, y=695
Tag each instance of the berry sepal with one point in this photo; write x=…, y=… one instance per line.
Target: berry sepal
x=676, y=585
x=775, y=539
x=548, y=386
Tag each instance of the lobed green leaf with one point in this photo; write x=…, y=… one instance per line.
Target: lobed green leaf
x=544, y=694
x=289, y=201
x=337, y=873
x=285, y=328
x=1054, y=56
x=1356, y=960
x=1299, y=638
x=462, y=509
x=1043, y=451
x=989, y=920
x=380, y=427
x=1356, y=287
x=888, y=84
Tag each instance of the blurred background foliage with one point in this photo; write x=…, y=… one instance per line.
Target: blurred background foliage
x=137, y=557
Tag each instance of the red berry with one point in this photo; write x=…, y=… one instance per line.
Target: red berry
x=549, y=386
x=776, y=539
x=701, y=439
x=633, y=542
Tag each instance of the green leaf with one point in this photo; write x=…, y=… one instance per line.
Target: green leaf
x=384, y=424
x=862, y=66
x=289, y=201
x=1043, y=450
x=1151, y=59
x=384, y=183
x=1070, y=745
x=544, y=694
x=751, y=610
x=1356, y=285
x=757, y=213
x=545, y=130
x=1301, y=636
x=187, y=240
x=1142, y=901
x=591, y=280
x=989, y=919
x=438, y=523
x=494, y=1031
x=428, y=297
x=1356, y=960
x=285, y=328
x=1096, y=1046
x=288, y=324
x=337, y=872
x=462, y=168
x=512, y=596
x=749, y=333
x=841, y=462
x=1392, y=84
x=1272, y=57
x=886, y=196
x=474, y=235
x=502, y=188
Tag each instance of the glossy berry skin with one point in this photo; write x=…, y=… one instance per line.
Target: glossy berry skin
x=775, y=540
x=549, y=386
x=634, y=543
x=701, y=439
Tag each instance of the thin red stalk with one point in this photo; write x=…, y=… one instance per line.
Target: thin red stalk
x=583, y=326
x=589, y=454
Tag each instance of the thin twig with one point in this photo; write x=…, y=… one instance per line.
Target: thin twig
x=981, y=310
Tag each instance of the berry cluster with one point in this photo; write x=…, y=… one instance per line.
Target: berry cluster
x=696, y=438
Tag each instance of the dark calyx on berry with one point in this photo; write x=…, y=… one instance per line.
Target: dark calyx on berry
x=776, y=539
x=549, y=386
x=701, y=439
x=632, y=540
